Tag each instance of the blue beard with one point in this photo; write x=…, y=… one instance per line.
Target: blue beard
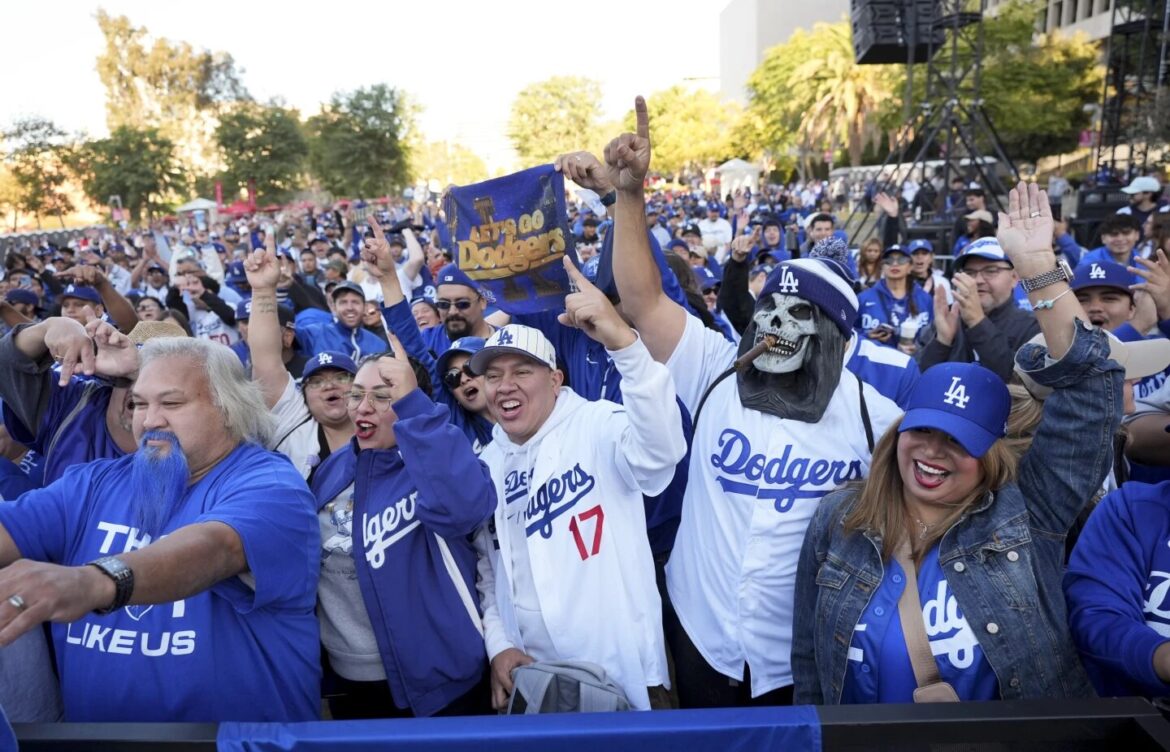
x=158, y=481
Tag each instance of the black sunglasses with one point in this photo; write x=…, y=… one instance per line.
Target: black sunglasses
x=453, y=378
x=462, y=304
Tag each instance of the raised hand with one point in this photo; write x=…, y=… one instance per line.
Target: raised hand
x=946, y=317
x=263, y=269
x=69, y=345
x=966, y=294
x=396, y=372
x=90, y=276
x=585, y=170
x=376, y=256
x=742, y=245
x=627, y=157
x=886, y=203
x=116, y=355
x=1156, y=275
x=590, y=311
x=1026, y=230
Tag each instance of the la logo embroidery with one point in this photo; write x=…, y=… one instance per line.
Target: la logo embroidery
x=957, y=394
x=324, y=359
x=1096, y=272
x=505, y=337
x=789, y=284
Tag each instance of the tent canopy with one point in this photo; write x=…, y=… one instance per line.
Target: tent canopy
x=199, y=204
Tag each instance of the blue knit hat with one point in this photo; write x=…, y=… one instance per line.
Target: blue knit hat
x=816, y=281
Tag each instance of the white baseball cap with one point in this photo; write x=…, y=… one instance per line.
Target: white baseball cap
x=518, y=339
x=1140, y=358
x=1144, y=184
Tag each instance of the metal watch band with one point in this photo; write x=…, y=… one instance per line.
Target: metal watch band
x=1051, y=277
x=123, y=577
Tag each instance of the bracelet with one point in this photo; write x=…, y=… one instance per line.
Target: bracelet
x=1044, y=305
x=609, y=199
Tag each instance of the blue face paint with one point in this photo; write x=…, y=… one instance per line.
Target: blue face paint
x=158, y=480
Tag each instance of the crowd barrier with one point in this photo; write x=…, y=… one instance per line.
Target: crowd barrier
x=1129, y=724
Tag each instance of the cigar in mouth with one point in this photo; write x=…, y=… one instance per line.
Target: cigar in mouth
x=743, y=361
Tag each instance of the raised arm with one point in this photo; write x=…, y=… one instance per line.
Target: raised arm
x=116, y=305
x=414, y=253
x=264, y=336
x=658, y=319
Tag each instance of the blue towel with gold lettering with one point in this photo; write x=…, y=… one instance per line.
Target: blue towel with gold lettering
x=510, y=235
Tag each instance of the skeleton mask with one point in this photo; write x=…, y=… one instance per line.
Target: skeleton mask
x=791, y=320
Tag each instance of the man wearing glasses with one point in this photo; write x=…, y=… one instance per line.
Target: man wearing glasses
x=984, y=324
x=461, y=310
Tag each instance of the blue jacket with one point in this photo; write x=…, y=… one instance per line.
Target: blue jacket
x=877, y=305
x=333, y=335
x=400, y=321
x=889, y=370
x=1004, y=558
x=418, y=577
x=1116, y=589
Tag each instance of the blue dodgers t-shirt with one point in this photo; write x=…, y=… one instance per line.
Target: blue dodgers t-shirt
x=85, y=439
x=18, y=477
x=879, y=668
x=227, y=654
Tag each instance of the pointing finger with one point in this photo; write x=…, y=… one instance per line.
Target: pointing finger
x=642, y=117
x=396, y=346
x=372, y=221
x=580, y=281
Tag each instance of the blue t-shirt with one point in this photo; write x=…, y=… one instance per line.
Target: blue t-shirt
x=18, y=477
x=230, y=653
x=86, y=437
x=879, y=668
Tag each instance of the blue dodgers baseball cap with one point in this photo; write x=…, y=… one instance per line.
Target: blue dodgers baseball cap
x=451, y=274
x=82, y=292
x=920, y=245
x=244, y=309
x=22, y=297
x=895, y=248
x=986, y=248
x=347, y=286
x=1102, y=274
x=329, y=359
x=677, y=243
x=963, y=400
x=464, y=345
x=705, y=278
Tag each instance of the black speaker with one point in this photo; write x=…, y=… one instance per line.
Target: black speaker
x=890, y=31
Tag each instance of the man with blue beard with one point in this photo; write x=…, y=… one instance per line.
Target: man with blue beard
x=181, y=579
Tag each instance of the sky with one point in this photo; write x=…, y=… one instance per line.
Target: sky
x=464, y=61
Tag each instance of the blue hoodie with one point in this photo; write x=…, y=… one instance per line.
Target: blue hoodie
x=415, y=508
x=333, y=335
x=877, y=305
x=1118, y=590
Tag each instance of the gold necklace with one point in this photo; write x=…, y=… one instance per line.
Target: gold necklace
x=925, y=528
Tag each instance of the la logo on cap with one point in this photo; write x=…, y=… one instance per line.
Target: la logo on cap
x=1096, y=272
x=505, y=338
x=789, y=284
x=956, y=394
x=324, y=359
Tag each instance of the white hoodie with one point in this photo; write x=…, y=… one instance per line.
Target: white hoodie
x=576, y=489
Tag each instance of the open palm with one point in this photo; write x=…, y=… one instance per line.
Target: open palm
x=1027, y=227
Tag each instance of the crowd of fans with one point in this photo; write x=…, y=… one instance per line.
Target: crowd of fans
x=299, y=464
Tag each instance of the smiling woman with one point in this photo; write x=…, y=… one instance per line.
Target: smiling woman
x=939, y=575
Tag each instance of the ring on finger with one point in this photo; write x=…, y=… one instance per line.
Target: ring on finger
x=1033, y=215
x=17, y=602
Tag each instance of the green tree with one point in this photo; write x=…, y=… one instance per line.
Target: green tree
x=1035, y=88
x=138, y=164
x=691, y=128
x=552, y=117
x=172, y=84
x=358, y=145
x=809, y=96
x=36, y=153
x=447, y=163
x=263, y=143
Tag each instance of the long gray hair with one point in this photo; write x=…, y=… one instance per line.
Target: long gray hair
x=239, y=400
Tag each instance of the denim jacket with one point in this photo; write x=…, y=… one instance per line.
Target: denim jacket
x=1003, y=559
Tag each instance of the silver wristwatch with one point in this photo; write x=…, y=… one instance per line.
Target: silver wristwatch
x=1062, y=273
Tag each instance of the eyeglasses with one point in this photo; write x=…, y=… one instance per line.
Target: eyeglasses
x=380, y=400
x=462, y=304
x=338, y=379
x=453, y=378
x=897, y=260
x=988, y=272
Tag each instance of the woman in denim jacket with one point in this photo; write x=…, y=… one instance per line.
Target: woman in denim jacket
x=987, y=544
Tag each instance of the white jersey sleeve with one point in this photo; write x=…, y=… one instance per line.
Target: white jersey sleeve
x=698, y=359
x=296, y=432
x=652, y=442
x=494, y=635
